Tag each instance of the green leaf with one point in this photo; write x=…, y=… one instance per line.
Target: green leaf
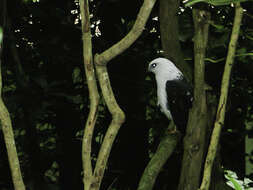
x=191, y=3
x=213, y=2
x=233, y=179
x=237, y=186
x=217, y=26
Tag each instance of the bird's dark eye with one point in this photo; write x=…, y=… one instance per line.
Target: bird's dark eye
x=153, y=65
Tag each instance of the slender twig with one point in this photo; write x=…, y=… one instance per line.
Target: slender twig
x=223, y=58
x=220, y=116
x=93, y=95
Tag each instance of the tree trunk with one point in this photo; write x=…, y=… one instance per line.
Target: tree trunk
x=168, y=16
x=194, y=141
x=5, y=116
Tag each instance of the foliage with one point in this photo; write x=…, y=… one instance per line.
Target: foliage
x=213, y=2
x=236, y=183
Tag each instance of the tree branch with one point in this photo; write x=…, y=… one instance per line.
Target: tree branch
x=93, y=95
x=118, y=116
x=163, y=152
x=130, y=38
x=10, y=145
x=220, y=116
x=6, y=120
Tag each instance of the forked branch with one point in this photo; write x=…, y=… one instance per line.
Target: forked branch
x=93, y=180
x=118, y=116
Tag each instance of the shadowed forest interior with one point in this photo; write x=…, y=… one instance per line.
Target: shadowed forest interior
x=45, y=91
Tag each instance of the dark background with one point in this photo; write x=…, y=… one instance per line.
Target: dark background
x=46, y=92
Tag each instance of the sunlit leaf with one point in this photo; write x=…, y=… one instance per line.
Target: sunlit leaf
x=233, y=180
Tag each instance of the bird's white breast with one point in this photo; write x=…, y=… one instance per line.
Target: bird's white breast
x=162, y=97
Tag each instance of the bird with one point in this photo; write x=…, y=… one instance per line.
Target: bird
x=174, y=93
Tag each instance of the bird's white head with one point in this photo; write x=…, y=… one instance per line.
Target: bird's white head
x=164, y=69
